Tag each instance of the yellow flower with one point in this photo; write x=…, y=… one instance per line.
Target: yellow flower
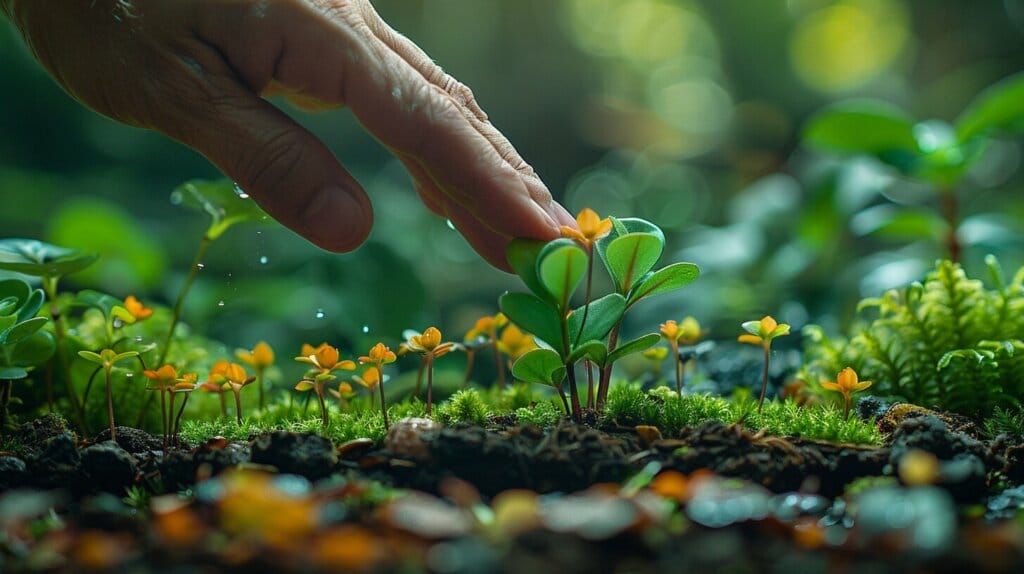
x=515, y=343
x=689, y=331
x=260, y=357
x=225, y=375
x=591, y=228
x=136, y=308
x=324, y=358
x=762, y=332
x=657, y=354
x=486, y=327
x=380, y=354
x=427, y=343
x=670, y=330
x=164, y=378
x=846, y=383
x=370, y=378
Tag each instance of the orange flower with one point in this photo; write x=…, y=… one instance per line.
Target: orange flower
x=370, y=378
x=427, y=343
x=591, y=228
x=846, y=383
x=486, y=327
x=515, y=343
x=164, y=378
x=260, y=357
x=670, y=330
x=225, y=375
x=380, y=354
x=136, y=308
x=762, y=332
x=324, y=358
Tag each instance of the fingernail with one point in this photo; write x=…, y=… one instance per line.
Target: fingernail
x=335, y=220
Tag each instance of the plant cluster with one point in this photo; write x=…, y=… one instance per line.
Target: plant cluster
x=950, y=342
x=628, y=250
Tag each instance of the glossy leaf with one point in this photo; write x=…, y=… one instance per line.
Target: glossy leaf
x=304, y=385
x=32, y=257
x=861, y=126
x=540, y=366
x=101, y=301
x=1000, y=107
x=32, y=305
x=624, y=226
x=12, y=373
x=21, y=331
x=33, y=350
x=221, y=200
x=91, y=357
x=561, y=266
x=122, y=314
x=668, y=278
x=604, y=314
x=533, y=315
x=635, y=346
x=522, y=255
x=595, y=351
x=629, y=257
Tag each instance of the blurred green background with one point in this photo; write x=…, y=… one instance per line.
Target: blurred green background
x=687, y=113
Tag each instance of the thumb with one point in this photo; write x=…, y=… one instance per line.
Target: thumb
x=288, y=171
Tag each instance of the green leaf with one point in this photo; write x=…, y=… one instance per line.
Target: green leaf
x=13, y=373
x=14, y=289
x=534, y=315
x=8, y=305
x=39, y=259
x=861, y=126
x=604, y=314
x=221, y=200
x=22, y=331
x=754, y=328
x=101, y=301
x=304, y=385
x=629, y=257
x=91, y=357
x=998, y=108
x=624, y=226
x=668, y=278
x=124, y=315
x=595, y=351
x=560, y=267
x=898, y=223
x=540, y=366
x=32, y=305
x=33, y=350
x=7, y=321
x=522, y=256
x=125, y=355
x=635, y=346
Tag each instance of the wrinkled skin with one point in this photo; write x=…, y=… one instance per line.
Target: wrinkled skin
x=195, y=70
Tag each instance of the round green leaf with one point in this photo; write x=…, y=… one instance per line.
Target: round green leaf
x=101, y=301
x=668, y=278
x=22, y=330
x=998, y=107
x=14, y=288
x=603, y=315
x=12, y=373
x=533, y=315
x=39, y=259
x=522, y=256
x=861, y=126
x=635, y=346
x=540, y=366
x=624, y=226
x=561, y=267
x=629, y=257
x=33, y=350
x=595, y=351
x=221, y=200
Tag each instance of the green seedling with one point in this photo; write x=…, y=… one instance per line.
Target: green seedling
x=23, y=345
x=323, y=360
x=106, y=359
x=553, y=271
x=762, y=333
x=934, y=152
x=50, y=263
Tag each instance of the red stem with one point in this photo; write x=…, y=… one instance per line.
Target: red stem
x=764, y=378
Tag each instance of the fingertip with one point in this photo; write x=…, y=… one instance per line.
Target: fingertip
x=337, y=219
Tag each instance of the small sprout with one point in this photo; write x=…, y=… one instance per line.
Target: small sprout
x=762, y=333
x=485, y=334
x=429, y=346
x=226, y=376
x=260, y=358
x=846, y=383
x=687, y=332
x=137, y=310
x=378, y=356
x=107, y=358
x=344, y=393
x=324, y=360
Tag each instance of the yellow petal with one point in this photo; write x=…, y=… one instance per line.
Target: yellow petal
x=847, y=378
x=768, y=324
x=861, y=386
x=828, y=385
x=748, y=338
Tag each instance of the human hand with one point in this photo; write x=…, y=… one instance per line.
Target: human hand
x=195, y=70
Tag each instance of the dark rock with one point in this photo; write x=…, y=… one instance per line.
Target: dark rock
x=34, y=434
x=896, y=413
x=1005, y=505
x=109, y=467
x=308, y=455
x=405, y=437
x=355, y=448
x=1013, y=464
x=133, y=440
x=57, y=464
x=962, y=470
x=870, y=406
x=13, y=473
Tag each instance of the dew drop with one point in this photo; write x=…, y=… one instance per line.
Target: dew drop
x=320, y=314
x=220, y=303
x=118, y=323
x=129, y=375
x=176, y=198
x=200, y=266
x=263, y=260
x=451, y=225
x=240, y=192
x=138, y=338
x=366, y=328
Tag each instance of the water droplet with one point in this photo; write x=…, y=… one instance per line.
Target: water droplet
x=200, y=266
x=320, y=314
x=129, y=375
x=240, y=192
x=263, y=259
x=366, y=328
x=118, y=323
x=176, y=198
x=451, y=225
x=138, y=338
x=220, y=303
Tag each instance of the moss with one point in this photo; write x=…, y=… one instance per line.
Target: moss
x=543, y=414
x=1009, y=421
x=464, y=406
